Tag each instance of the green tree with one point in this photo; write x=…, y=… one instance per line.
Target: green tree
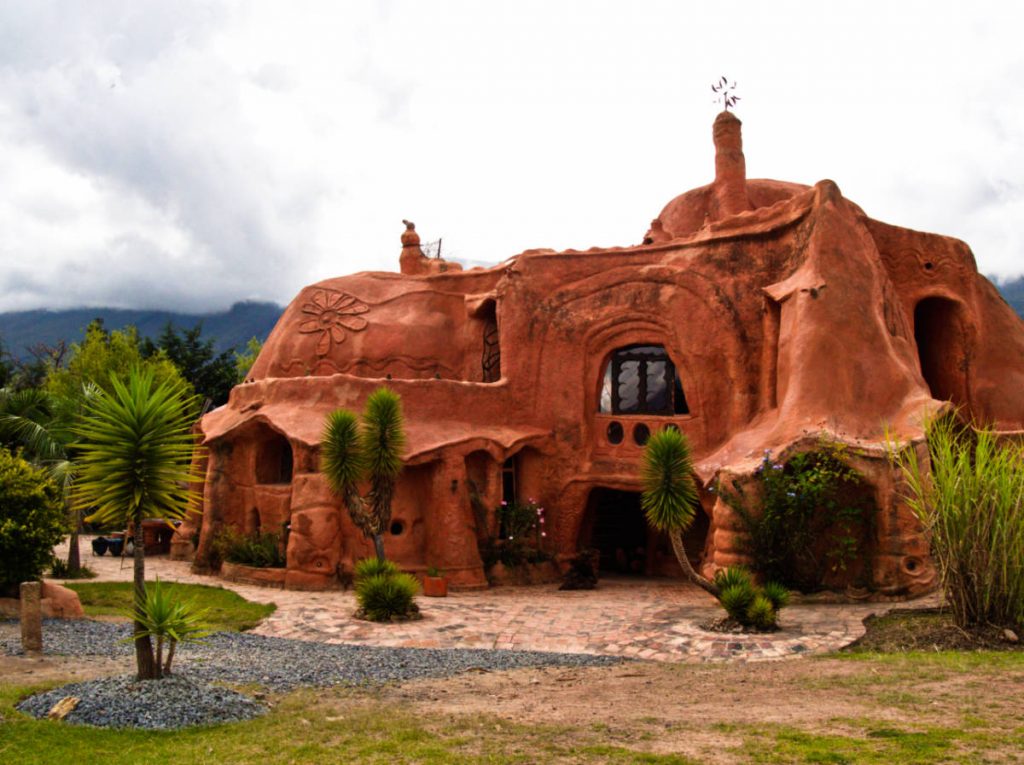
x=40, y=424
x=32, y=521
x=212, y=375
x=136, y=448
x=669, y=496
x=103, y=355
x=244, y=360
x=350, y=454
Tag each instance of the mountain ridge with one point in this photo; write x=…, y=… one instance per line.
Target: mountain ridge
x=21, y=330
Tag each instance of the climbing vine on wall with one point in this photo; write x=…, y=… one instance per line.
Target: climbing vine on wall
x=810, y=518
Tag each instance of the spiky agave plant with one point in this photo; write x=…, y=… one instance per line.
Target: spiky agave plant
x=135, y=450
x=350, y=453
x=669, y=496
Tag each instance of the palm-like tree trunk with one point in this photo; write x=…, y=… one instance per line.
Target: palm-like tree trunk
x=145, y=664
x=378, y=546
x=684, y=562
x=74, y=555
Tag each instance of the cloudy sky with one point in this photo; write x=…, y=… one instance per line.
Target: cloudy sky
x=189, y=155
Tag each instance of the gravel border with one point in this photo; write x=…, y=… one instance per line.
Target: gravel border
x=277, y=664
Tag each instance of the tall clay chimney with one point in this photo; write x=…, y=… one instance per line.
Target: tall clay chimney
x=730, y=166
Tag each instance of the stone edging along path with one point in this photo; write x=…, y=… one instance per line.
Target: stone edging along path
x=644, y=619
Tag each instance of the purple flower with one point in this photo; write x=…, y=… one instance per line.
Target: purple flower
x=504, y=503
x=543, y=533
x=776, y=466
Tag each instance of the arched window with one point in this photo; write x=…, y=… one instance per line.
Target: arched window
x=641, y=379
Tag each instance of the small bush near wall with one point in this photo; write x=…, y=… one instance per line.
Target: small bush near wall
x=257, y=550
x=814, y=521
x=521, y=535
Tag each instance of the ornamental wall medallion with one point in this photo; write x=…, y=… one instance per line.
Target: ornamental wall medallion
x=331, y=313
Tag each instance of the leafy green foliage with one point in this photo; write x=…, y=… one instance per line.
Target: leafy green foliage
x=32, y=521
x=669, y=492
x=211, y=374
x=368, y=567
x=245, y=359
x=971, y=503
x=748, y=604
x=813, y=519
x=777, y=594
x=59, y=569
x=169, y=620
x=103, y=355
x=520, y=535
x=341, y=454
x=136, y=447
x=136, y=450
x=257, y=549
x=383, y=597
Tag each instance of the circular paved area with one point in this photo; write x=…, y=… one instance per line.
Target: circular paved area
x=641, y=618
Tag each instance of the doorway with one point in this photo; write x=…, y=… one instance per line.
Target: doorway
x=941, y=348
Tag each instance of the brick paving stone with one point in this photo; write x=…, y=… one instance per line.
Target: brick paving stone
x=649, y=618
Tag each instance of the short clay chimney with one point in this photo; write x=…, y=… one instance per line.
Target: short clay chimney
x=730, y=166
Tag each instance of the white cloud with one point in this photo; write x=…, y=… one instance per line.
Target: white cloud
x=191, y=155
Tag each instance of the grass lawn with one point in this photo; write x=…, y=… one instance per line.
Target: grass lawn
x=858, y=708
x=225, y=610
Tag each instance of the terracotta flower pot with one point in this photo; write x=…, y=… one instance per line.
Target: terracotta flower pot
x=435, y=586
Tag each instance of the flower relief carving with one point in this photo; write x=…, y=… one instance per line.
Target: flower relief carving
x=331, y=313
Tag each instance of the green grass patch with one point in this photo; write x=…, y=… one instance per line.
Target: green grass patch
x=310, y=726
x=225, y=610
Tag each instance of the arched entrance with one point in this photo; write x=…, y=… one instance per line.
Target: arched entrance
x=942, y=348
x=614, y=524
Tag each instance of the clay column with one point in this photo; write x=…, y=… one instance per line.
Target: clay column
x=730, y=187
x=31, y=617
x=451, y=541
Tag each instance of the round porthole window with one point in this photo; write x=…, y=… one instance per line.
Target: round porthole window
x=641, y=433
x=615, y=433
x=397, y=527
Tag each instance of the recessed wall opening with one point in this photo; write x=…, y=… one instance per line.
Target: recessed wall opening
x=614, y=525
x=490, y=361
x=274, y=460
x=941, y=348
x=641, y=379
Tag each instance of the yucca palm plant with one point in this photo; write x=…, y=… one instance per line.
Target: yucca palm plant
x=669, y=496
x=135, y=450
x=350, y=454
x=170, y=621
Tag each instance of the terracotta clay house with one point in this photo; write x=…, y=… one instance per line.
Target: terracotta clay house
x=755, y=315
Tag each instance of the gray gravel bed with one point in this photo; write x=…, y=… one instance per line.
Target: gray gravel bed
x=124, y=702
x=280, y=665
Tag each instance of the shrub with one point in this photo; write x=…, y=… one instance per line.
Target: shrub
x=32, y=521
x=777, y=594
x=520, y=537
x=59, y=569
x=382, y=597
x=972, y=503
x=761, y=614
x=169, y=620
x=748, y=604
x=257, y=550
x=368, y=567
x=813, y=518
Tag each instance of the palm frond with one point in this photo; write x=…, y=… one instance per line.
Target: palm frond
x=669, y=496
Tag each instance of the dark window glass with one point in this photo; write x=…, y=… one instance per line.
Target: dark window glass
x=641, y=433
x=615, y=432
x=641, y=379
x=508, y=480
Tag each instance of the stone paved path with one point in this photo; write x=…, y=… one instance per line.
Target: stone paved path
x=640, y=618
